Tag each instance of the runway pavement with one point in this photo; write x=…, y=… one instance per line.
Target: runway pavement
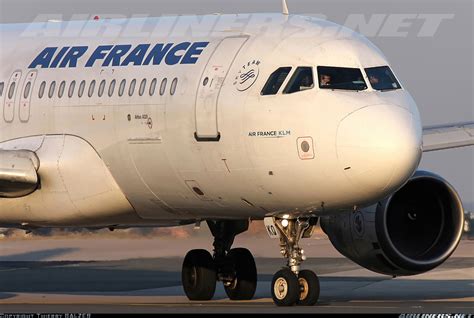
x=32, y=282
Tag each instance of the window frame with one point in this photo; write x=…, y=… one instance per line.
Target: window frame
x=42, y=89
x=173, y=86
x=131, y=88
x=61, y=88
x=282, y=84
x=27, y=90
x=101, y=90
x=90, y=91
x=142, y=87
x=11, y=90
x=81, y=89
x=395, y=79
x=164, y=83
x=152, y=89
x=292, y=78
x=122, y=86
x=341, y=89
x=52, y=88
x=111, y=89
x=71, y=89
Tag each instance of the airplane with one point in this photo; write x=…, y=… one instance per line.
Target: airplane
x=294, y=127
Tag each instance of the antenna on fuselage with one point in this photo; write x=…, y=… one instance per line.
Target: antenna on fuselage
x=285, y=7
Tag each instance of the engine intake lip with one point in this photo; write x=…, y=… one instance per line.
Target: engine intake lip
x=427, y=250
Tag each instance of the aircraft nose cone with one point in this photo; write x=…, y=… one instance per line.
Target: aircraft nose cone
x=379, y=147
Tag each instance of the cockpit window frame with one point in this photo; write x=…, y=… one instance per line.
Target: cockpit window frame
x=263, y=92
x=394, y=78
x=319, y=72
x=289, y=83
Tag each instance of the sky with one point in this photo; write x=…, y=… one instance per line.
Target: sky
x=429, y=44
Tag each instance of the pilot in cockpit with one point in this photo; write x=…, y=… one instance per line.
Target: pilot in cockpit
x=325, y=80
x=374, y=80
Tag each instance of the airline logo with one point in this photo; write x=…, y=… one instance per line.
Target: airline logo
x=120, y=55
x=247, y=75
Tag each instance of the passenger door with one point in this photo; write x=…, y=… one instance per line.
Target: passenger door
x=25, y=96
x=10, y=96
x=210, y=85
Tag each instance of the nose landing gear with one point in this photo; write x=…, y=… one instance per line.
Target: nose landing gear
x=291, y=286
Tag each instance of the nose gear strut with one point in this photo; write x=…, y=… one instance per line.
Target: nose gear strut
x=291, y=285
x=291, y=231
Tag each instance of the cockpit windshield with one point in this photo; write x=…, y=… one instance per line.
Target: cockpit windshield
x=382, y=79
x=341, y=78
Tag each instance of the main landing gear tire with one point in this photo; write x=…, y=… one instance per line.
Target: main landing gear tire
x=199, y=275
x=244, y=283
x=285, y=288
x=309, y=288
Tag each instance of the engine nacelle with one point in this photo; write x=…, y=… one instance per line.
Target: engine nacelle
x=410, y=232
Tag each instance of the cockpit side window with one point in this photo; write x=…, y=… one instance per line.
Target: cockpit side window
x=301, y=80
x=345, y=78
x=382, y=79
x=274, y=82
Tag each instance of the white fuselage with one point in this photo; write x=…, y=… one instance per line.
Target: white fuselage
x=246, y=161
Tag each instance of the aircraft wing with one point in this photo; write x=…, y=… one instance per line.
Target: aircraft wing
x=448, y=136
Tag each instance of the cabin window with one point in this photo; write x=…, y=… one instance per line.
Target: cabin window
x=2, y=85
x=301, y=80
x=131, y=89
x=141, y=90
x=153, y=87
x=81, y=89
x=52, y=87
x=101, y=88
x=274, y=82
x=174, y=83
x=26, y=92
x=91, y=88
x=61, y=89
x=72, y=86
x=121, y=90
x=41, y=89
x=163, y=86
x=11, y=90
x=382, y=79
x=111, y=88
x=341, y=78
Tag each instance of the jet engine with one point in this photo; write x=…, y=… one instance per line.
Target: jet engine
x=410, y=232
